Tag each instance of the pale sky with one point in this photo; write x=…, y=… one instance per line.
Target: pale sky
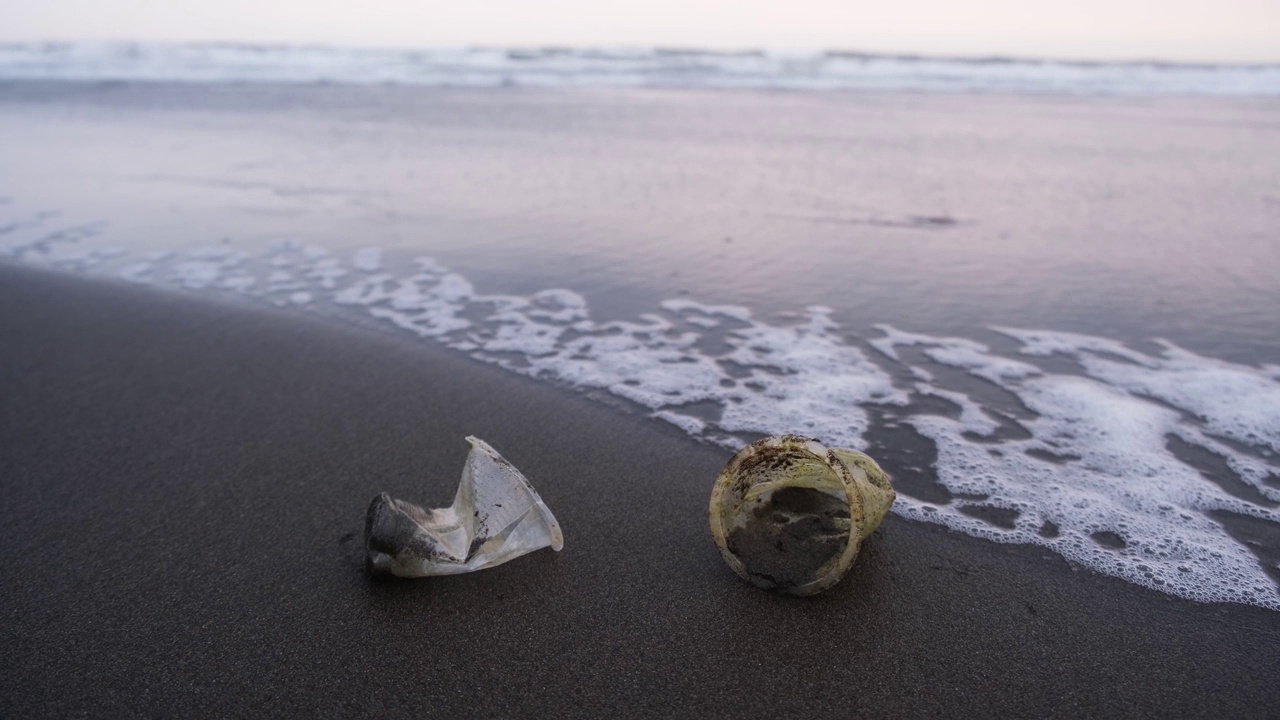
x=1191, y=30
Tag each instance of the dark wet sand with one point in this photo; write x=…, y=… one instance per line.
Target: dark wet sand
x=184, y=484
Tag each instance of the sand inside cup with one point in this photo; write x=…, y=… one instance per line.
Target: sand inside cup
x=785, y=531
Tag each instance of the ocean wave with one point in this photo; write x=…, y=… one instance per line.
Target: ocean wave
x=622, y=67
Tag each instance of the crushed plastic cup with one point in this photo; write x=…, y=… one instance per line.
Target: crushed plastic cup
x=496, y=516
x=789, y=514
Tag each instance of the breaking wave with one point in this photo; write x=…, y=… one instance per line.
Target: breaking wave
x=639, y=67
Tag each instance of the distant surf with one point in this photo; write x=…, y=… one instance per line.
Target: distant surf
x=620, y=67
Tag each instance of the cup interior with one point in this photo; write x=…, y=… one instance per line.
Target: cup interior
x=786, y=517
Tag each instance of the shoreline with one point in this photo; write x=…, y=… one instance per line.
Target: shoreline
x=186, y=483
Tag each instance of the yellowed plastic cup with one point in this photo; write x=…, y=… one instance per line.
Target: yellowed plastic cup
x=789, y=514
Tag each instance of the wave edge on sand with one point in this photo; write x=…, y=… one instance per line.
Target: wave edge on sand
x=1110, y=466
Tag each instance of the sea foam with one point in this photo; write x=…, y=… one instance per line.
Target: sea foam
x=1087, y=462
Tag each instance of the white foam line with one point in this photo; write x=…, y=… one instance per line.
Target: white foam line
x=1092, y=478
x=1114, y=474
x=972, y=417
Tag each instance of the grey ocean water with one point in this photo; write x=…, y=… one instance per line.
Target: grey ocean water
x=1045, y=298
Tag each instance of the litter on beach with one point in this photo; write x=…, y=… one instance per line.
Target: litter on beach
x=789, y=514
x=496, y=516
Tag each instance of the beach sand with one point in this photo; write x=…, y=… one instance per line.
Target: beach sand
x=185, y=480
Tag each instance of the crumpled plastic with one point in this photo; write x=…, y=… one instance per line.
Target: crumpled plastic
x=496, y=516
